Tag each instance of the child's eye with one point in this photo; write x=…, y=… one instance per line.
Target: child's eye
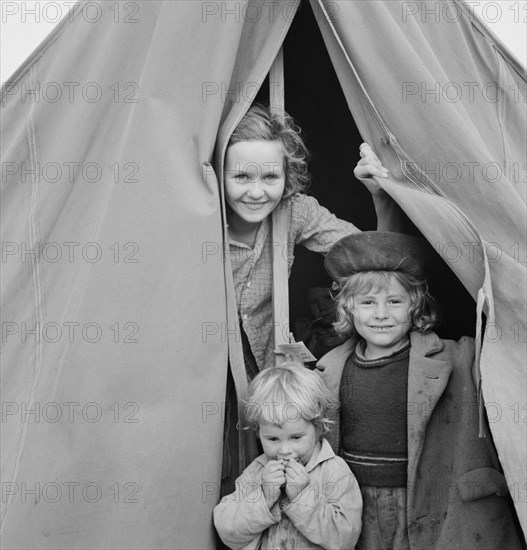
x=240, y=177
x=271, y=177
x=366, y=302
x=296, y=437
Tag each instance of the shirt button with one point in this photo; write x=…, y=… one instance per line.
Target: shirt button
x=244, y=316
x=249, y=284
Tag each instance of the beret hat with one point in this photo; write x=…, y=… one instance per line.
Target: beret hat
x=376, y=251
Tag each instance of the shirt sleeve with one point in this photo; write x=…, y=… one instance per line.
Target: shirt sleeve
x=316, y=227
x=244, y=515
x=329, y=513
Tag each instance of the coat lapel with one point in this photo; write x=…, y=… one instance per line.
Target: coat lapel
x=333, y=363
x=427, y=380
x=330, y=368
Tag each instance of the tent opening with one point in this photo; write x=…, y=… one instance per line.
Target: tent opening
x=313, y=96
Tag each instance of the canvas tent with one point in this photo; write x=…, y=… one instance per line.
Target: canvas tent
x=117, y=306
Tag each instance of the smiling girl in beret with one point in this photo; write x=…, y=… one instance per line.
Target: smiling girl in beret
x=408, y=422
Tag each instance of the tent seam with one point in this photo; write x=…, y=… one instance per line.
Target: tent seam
x=502, y=99
x=37, y=291
x=476, y=20
x=371, y=105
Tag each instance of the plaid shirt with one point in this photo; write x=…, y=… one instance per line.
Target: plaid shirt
x=310, y=225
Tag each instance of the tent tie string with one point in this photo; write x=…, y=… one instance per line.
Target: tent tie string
x=484, y=296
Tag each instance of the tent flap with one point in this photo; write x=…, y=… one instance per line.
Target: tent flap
x=443, y=106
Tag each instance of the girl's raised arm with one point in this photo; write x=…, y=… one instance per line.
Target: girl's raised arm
x=390, y=217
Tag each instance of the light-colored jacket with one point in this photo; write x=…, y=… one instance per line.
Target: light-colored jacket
x=457, y=496
x=326, y=514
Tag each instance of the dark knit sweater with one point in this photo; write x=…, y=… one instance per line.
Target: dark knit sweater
x=373, y=411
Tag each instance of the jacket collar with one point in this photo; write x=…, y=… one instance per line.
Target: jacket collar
x=325, y=453
x=422, y=344
x=426, y=343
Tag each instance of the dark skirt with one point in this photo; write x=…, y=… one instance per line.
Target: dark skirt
x=232, y=437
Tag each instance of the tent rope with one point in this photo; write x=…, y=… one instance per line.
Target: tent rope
x=279, y=225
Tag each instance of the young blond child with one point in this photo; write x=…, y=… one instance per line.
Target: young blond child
x=297, y=494
x=408, y=422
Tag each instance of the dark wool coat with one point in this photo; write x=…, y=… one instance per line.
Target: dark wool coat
x=457, y=494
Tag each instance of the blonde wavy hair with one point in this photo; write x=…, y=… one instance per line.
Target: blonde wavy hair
x=289, y=392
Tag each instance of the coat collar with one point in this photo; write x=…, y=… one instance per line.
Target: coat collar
x=426, y=343
x=422, y=344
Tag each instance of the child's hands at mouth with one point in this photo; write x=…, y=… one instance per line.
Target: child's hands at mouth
x=296, y=478
x=273, y=477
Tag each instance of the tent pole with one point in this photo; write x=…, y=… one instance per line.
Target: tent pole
x=279, y=231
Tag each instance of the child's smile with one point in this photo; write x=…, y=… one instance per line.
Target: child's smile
x=381, y=317
x=254, y=183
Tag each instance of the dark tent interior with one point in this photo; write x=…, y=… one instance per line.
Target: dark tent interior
x=313, y=97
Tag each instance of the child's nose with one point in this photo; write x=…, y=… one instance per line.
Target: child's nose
x=380, y=311
x=284, y=450
x=256, y=190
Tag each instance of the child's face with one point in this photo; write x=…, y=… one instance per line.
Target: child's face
x=321, y=305
x=254, y=181
x=381, y=317
x=295, y=439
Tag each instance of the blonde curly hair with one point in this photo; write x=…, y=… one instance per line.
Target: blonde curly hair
x=289, y=392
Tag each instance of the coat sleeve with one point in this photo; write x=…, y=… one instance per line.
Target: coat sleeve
x=244, y=515
x=328, y=512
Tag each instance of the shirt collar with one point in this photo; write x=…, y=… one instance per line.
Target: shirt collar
x=261, y=235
